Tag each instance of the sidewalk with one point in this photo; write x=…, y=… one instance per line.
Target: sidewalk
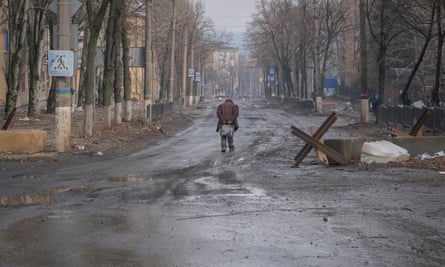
x=102, y=141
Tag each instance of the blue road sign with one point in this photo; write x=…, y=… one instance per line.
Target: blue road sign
x=272, y=76
x=191, y=73
x=61, y=63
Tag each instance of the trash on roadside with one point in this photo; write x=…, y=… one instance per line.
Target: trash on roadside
x=425, y=155
x=383, y=152
x=439, y=154
x=81, y=147
x=99, y=153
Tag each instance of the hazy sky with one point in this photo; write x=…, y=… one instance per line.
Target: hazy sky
x=229, y=15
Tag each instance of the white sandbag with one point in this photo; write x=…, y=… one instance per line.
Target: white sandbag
x=383, y=152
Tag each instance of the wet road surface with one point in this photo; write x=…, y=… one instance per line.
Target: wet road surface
x=181, y=202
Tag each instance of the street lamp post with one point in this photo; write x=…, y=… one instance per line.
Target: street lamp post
x=172, y=53
x=148, y=92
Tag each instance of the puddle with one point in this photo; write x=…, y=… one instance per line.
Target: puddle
x=27, y=200
x=60, y=190
x=30, y=176
x=125, y=179
x=46, y=197
x=61, y=214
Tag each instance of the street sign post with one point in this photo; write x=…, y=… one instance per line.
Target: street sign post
x=61, y=65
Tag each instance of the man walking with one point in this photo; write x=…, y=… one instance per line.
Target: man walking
x=227, y=113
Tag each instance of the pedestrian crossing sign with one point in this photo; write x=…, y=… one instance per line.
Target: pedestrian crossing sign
x=61, y=63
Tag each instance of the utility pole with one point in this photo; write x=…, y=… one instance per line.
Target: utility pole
x=318, y=87
x=148, y=92
x=172, y=53
x=364, y=117
x=192, y=63
x=63, y=84
x=184, y=67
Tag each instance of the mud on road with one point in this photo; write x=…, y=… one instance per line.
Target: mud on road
x=178, y=201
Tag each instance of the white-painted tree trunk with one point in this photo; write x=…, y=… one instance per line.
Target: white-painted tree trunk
x=118, y=113
x=89, y=120
x=108, y=115
x=128, y=111
x=319, y=104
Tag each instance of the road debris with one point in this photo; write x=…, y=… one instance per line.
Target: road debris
x=383, y=152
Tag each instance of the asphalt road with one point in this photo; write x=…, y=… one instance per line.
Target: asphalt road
x=179, y=201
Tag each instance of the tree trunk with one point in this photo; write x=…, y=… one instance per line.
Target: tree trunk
x=126, y=70
x=381, y=62
x=95, y=23
x=304, y=82
x=34, y=71
x=435, y=98
x=51, y=101
x=36, y=33
x=17, y=24
x=404, y=97
x=109, y=71
x=118, y=82
x=89, y=85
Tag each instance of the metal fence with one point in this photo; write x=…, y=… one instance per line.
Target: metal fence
x=350, y=92
x=406, y=116
x=160, y=109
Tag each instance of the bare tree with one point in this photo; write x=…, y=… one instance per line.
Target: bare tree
x=419, y=16
x=96, y=11
x=206, y=40
x=333, y=23
x=126, y=68
x=35, y=35
x=301, y=49
x=118, y=64
x=435, y=94
x=269, y=41
x=257, y=44
x=382, y=17
x=17, y=25
x=109, y=67
x=277, y=26
x=295, y=34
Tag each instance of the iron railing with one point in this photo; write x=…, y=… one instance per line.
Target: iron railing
x=407, y=116
x=160, y=109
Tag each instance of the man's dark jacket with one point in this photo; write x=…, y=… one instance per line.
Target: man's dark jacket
x=227, y=113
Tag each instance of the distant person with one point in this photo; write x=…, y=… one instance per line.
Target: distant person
x=227, y=113
x=374, y=99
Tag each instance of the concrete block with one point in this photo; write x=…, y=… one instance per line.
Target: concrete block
x=420, y=145
x=29, y=141
x=351, y=148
